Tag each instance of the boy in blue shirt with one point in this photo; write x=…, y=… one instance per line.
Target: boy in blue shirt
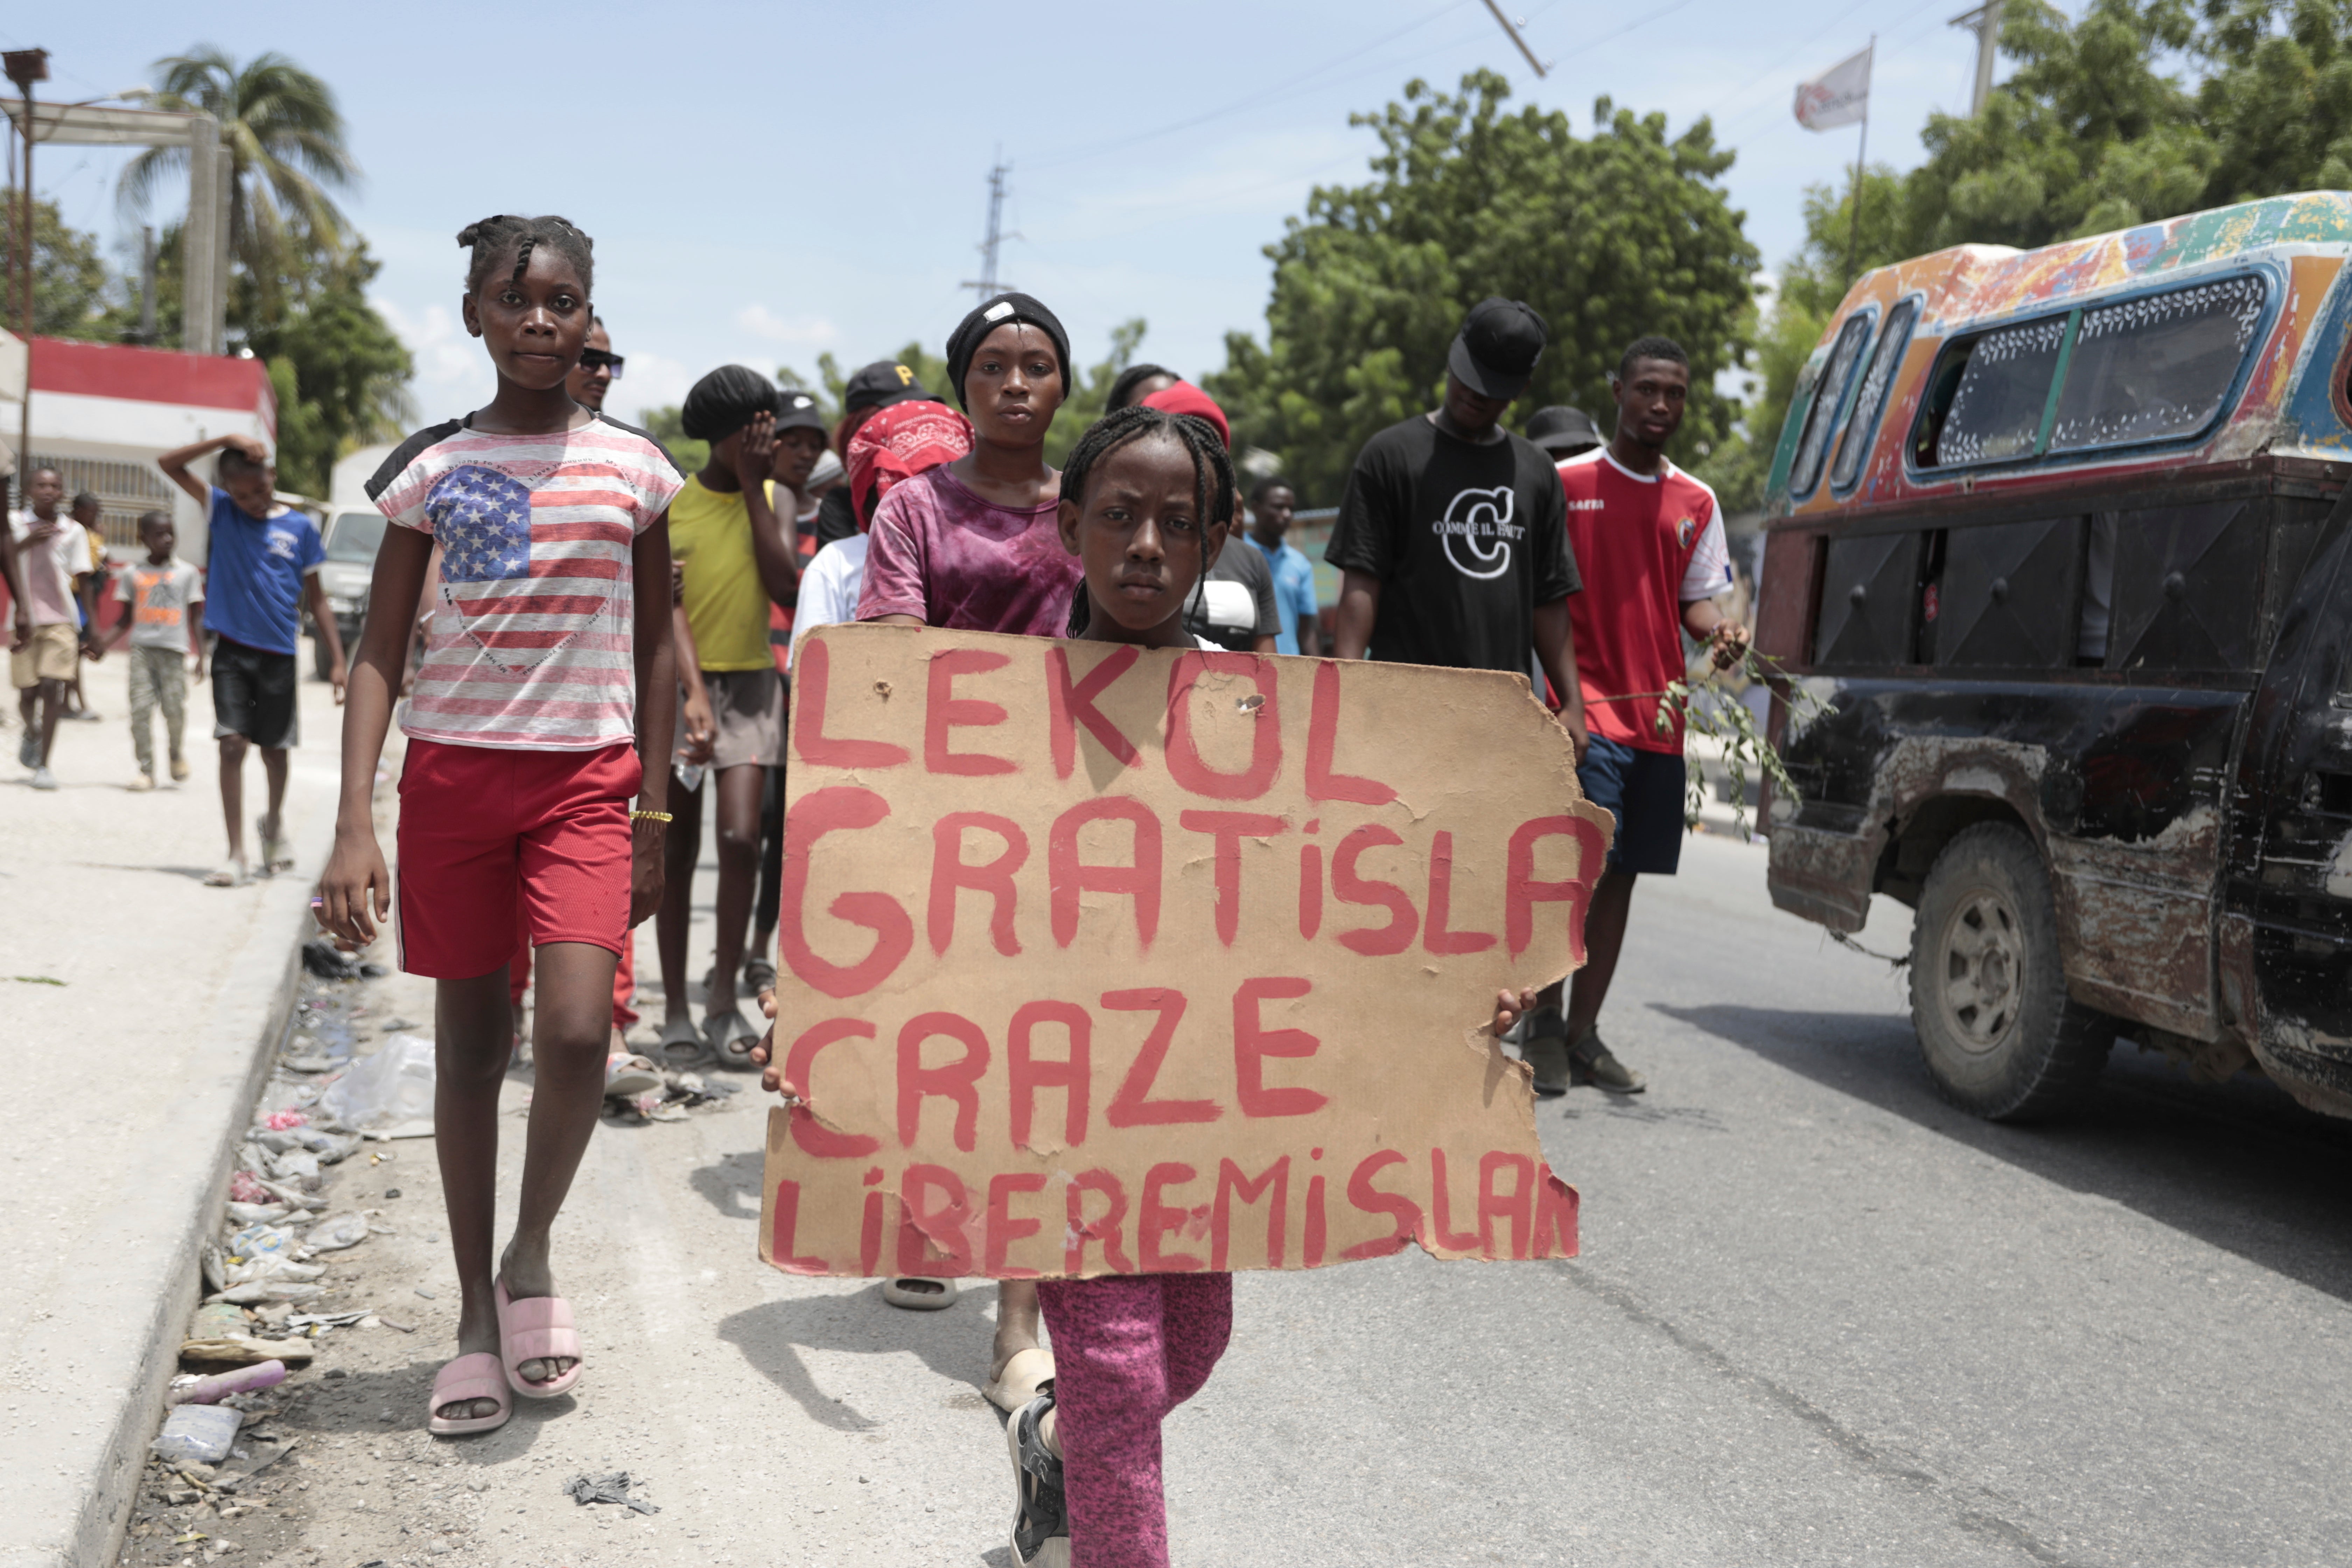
x=1271, y=503
x=264, y=563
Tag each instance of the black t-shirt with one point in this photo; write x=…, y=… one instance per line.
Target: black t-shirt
x=1244, y=563
x=1465, y=539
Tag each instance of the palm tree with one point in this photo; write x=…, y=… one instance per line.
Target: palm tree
x=284, y=137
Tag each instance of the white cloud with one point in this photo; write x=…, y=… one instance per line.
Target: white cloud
x=648, y=381
x=795, y=332
x=453, y=373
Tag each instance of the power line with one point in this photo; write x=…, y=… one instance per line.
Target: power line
x=1253, y=100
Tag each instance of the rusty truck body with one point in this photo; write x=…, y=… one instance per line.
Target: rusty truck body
x=2055, y=548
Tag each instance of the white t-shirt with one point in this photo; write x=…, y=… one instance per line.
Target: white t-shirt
x=830, y=586
x=50, y=567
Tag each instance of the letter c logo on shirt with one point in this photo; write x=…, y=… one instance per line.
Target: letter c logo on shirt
x=1473, y=532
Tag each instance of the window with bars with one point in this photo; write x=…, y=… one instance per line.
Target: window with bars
x=1862, y=426
x=2158, y=366
x=123, y=492
x=1997, y=408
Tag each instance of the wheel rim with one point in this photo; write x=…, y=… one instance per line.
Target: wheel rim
x=1983, y=968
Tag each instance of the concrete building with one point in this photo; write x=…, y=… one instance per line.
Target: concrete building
x=102, y=411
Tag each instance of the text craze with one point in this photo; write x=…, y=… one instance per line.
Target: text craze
x=1097, y=959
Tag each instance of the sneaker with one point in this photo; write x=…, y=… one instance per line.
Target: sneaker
x=28, y=750
x=1592, y=1062
x=44, y=779
x=1545, y=1050
x=142, y=783
x=1041, y=1515
x=180, y=770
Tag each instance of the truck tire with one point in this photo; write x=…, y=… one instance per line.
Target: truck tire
x=1988, y=998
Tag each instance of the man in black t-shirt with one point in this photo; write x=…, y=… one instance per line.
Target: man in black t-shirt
x=1452, y=539
x=1451, y=544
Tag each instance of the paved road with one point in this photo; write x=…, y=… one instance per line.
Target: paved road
x=1820, y=1318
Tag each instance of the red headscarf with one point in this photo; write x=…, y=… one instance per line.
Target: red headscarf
x=1185, y=398
x=897, y=443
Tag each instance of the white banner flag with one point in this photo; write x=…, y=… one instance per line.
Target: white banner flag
x=1839, y=96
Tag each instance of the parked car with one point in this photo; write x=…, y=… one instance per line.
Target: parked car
x=351, y=538
x=2056, y=541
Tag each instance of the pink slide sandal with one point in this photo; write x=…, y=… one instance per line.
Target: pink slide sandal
x=475, y=1376
x=535, y=1329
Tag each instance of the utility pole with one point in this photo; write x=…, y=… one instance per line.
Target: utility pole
x=1985, y=22
x=987, y=284
x=1507, y=27
x=147, y=286
x=24, y=67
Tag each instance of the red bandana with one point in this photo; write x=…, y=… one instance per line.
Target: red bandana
x=897, y=443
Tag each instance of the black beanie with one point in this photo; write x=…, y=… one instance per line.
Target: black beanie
x=724, y=402
x=970, y=333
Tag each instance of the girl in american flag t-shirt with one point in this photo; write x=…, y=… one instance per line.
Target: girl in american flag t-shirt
x=534, y=791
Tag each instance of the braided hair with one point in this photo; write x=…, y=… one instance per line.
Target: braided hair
x=1213, y=476
x=493, y=238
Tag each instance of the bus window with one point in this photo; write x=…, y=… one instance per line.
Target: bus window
x=2158, y=366
x=1829, y=396
x=1998, y=395
x=1863, y=426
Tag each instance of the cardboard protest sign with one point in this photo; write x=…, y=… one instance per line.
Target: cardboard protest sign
x=1094, y=959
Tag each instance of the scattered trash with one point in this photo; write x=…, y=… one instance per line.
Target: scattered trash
x=426, y=1294
x=404, y=1328
x=260, y=1290
x=279, y=1121
x=238, y=1349
x=258, y=1213
x=201, y=1434
x=370, y=970
x=392, y=1192
x=335, y=1235
x=320, y=958
x=326, y=1320
x=613, y=1487
x=244, y=1187
x=309, y=1062
x=213, y=1322
x=389, y=1094
x=213, y=1390
x=393, y=1025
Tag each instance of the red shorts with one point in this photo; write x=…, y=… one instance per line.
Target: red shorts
x=485, y=831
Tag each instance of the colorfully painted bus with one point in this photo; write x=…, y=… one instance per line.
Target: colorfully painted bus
x=2055, y=540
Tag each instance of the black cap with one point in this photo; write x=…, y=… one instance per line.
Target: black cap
x=990, y=315
x=1495, y=355
x=797, y=410
x=1563, y=431
x=880, y=385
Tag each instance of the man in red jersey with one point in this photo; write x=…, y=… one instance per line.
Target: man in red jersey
x=1649, y=541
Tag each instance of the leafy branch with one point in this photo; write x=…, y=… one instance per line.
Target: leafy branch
x=1730, y=723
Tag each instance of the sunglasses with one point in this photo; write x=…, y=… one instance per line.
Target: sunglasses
x=596, y=359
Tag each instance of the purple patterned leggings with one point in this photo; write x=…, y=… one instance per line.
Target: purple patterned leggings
x=1127, y=1349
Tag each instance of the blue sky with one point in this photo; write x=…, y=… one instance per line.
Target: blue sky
x=768, y=182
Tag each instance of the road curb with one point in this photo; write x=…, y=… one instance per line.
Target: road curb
x=146, y=1253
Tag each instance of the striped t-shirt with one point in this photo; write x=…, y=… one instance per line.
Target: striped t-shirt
x=531, y=640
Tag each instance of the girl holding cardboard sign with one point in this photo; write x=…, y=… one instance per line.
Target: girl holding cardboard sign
x=1142, y=507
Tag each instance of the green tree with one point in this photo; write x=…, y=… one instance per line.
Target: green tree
x=340, y=375
x=1804, y=299
x=72, y=288
x=1627, y=232
x=284, y=136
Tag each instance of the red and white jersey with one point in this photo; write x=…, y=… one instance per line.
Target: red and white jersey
x=1646, y=544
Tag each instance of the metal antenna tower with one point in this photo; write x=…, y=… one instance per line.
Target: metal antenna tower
x=988, y=282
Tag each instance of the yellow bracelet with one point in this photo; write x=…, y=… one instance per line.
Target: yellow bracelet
x=649, y=817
